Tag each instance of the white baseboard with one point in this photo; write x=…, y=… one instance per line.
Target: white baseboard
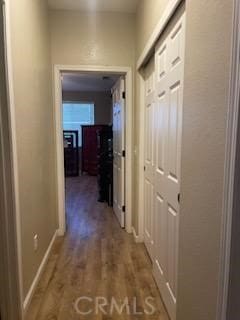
x=137, y=238
x=60, y=232
x=33, y=287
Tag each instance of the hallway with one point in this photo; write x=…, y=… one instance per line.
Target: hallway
x=96, y=258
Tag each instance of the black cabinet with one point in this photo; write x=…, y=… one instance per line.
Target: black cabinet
x=71, y=156
x=105, y=164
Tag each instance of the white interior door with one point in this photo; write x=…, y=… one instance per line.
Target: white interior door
x=118, y=94
x=149, y=157
x=169, y=60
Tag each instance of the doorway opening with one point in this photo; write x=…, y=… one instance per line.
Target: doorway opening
x=94, y=140
x=93, y=114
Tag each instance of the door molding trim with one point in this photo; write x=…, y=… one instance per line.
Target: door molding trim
x=148, y=49
x=229, y=167
x=141, y=158
x=127, y=71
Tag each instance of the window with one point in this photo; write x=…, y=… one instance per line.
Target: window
x=76, y=114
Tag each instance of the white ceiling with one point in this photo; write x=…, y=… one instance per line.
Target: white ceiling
x=88, y=82
x=128, y=6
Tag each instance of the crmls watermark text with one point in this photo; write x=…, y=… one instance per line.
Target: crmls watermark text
x=87, y=305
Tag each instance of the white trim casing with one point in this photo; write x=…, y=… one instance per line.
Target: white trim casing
x=129, y=147
x=35, y=282
x=59, y=152
x=141, y=159
x=168, y=13
x=127, y=71
x=229, y=169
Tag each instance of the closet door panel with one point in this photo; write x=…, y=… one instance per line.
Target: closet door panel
x=169, y=61
x=149, y=159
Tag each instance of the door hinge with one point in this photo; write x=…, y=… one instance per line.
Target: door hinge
x=123, y=153
x=123, y=208
x=124, y=95
x=144, y=168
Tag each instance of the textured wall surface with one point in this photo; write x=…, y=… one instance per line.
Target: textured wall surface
x=207, y=70
x=148, y=14
x=93, y=39
x=34, y=130
x=106, y=39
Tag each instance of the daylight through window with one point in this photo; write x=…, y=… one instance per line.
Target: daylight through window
x=77, y=114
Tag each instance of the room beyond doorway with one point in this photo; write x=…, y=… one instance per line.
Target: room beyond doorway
x=93, y=114
x=116, y=72
x=87, y=104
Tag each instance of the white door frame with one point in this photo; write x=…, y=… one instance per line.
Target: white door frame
x=120, y=214
x=127, y=72
x=141, y=151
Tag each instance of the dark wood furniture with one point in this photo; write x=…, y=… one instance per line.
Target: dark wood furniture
x=105, y=164
x=89, y=148
x=71, y=156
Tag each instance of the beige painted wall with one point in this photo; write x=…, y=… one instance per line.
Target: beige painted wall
x=102, y=104
x=34, y=130
x=207, y=69
x=204, y=128
x=106, y=39
x=93, y=39
x=148, y=14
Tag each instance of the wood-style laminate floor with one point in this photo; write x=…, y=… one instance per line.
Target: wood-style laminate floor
x=97, y=260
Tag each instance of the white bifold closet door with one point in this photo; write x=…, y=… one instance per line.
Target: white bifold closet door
x=164, y=77
x=118, y=97
x=169, y=63
x=149, y=157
